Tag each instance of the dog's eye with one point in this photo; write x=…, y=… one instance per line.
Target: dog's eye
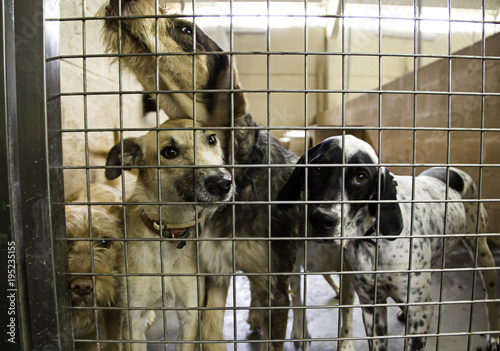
x=169, y=152
x=360, y=178
x=104, y=244
x=212, y=140
x=187, y=30
x=316, y=170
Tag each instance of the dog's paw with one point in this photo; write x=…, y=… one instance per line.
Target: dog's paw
x=255, y=319
x=401, y=316
x=151, y=318
x=493, y=343
x=298, y=333
x=347, y=346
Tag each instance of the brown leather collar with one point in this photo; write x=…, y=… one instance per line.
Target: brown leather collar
x=170, y=231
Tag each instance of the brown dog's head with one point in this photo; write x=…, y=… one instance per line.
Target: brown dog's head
x=166, y=44
x=88, y=257
x=168, y=164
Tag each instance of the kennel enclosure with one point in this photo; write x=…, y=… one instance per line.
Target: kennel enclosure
x=418, y=80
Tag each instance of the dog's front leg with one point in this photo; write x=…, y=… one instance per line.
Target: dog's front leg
x=255, y=315
x=189, y=318
x=299, y=329
x=485, y=259
x=375, y=320
x=114, y=321
x=213, y=317
x=138, y=321
x=275, y=320
x=419, y=317
x=347, y=299
x=279, y=317
x=188, y=330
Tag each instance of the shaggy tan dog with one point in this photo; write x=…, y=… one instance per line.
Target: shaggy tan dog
x=174, y=59
x=96, y=257
x=175, y=190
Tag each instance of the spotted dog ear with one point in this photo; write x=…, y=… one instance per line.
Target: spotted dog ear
x=132, y=156
x=293, y=187
x=391, y=219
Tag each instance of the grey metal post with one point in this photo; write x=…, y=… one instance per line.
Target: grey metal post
x=34, y=153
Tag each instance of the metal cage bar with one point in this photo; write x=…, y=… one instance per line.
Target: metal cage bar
x=34, y=145
x=33, y=136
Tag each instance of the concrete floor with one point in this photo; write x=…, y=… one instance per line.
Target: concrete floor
x=323, y=322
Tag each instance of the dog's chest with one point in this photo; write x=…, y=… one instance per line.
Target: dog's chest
x=216, y=256
x=364, y=255
x=147, y=257
x=149, y=261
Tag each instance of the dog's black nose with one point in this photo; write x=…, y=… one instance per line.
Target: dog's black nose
x=217, y=185
x=82, y=286
x=322, y=220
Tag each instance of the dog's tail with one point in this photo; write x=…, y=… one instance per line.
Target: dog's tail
x=457, y=180
x=463, y=183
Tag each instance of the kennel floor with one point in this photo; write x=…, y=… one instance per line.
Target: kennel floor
x=323, y=322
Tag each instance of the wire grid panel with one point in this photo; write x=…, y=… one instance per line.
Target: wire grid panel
x=417, y=81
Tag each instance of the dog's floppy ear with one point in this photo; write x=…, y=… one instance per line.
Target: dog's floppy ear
x=293, y=187
x=221, y=107
x=391, y=219
x=132, y=156
x=295, y=184
x=240, y=100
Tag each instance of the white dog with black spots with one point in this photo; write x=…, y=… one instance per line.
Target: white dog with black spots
x=391, y=223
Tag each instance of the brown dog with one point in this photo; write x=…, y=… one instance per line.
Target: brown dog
x=175, y=70
x=163, y=264
x=261, y=248
x=103, y=255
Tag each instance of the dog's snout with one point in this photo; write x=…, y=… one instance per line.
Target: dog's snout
x=323, y=220
x=82, y=286
x=218, y=185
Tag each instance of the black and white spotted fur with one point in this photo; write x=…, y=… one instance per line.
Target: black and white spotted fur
x=374, y=198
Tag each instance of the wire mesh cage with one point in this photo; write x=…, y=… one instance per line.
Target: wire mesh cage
x=215, y=175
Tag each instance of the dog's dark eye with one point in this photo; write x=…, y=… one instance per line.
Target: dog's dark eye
x=104, y=244
x=212, y=140
x=316, y=170
x=187, y=30
x=360, y=178
x=169, y=152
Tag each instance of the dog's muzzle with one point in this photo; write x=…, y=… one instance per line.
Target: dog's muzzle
x=214, y=186
x=323, y=225
x=218, y=186
x=82, y=286
x=323, y=222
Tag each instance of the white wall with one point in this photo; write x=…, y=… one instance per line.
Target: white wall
x=94, y=111
x=361, y=72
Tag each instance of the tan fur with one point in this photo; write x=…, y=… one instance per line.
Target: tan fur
x=228, y=107
x=108, y=257
x=179, y=186
x=138, y=36
x=154, y=38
